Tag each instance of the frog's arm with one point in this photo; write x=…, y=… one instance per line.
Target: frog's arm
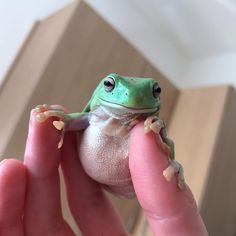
x=174, y=167
x=157, y=125
x=76, y=121
x=66, y=122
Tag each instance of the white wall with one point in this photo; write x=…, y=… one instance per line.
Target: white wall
x=220, y=69
x=160, y=29
x=143, y=34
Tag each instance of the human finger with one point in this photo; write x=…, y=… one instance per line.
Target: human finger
x=12, y=196
x=87, y=201
x=170, y=210
x=43, y=214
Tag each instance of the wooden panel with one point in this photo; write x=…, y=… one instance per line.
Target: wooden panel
x=194, y=127
x=218, y=206
x=24, y=75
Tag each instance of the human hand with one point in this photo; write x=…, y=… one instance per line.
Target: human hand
x=30, y=193
x=32, y=190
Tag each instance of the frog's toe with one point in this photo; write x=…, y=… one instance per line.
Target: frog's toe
x=153, y=123
x=41, y=117
x=169, y=173
x=155, y=127
x=41, y=108
x=59, y=124
x=57, y=114
x=148, y=122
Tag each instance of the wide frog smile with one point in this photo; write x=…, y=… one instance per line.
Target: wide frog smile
x=125, y=109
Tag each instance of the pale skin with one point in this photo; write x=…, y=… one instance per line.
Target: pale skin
x=32, y=188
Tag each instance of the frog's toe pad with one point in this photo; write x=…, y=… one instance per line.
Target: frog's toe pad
x=41, y=108
x=152, y=123
x=155, y=127
x=41, y=117
x=59, y=125
x=43, y=112
x=169, y=172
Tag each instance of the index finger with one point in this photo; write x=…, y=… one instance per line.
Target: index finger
x=170, y=211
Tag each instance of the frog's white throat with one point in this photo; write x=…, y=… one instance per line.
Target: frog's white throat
x=119, y=112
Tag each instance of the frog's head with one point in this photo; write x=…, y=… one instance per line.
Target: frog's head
x=137, y=95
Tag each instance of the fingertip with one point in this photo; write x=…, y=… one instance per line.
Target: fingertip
x=42, y=154
x=12, y=167
x=13, y=178
x=43, y=127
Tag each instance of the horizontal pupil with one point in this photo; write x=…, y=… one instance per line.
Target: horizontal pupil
x=158, y=90
x=107, y=83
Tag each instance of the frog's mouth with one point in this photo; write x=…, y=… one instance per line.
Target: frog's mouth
x=125, y=110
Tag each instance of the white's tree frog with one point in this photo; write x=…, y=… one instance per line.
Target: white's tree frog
x=116, y=106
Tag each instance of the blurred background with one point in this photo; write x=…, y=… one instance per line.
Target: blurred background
x=192, y=42
x=56, y=51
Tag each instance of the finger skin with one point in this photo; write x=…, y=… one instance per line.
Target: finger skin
x=90, y=207
x=43, y=215
x=12, y=196
x=170, y=211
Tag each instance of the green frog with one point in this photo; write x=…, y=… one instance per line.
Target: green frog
x=117, y=104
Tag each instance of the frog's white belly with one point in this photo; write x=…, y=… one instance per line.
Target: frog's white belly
x=104, y=151
x=105, y=157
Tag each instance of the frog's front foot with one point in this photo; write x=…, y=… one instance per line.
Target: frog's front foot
x=43, y=112
x=175, y=167
x=153, y=123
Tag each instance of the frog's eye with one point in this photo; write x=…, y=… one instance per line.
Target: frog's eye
x=156, y=90
x=109, y=84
